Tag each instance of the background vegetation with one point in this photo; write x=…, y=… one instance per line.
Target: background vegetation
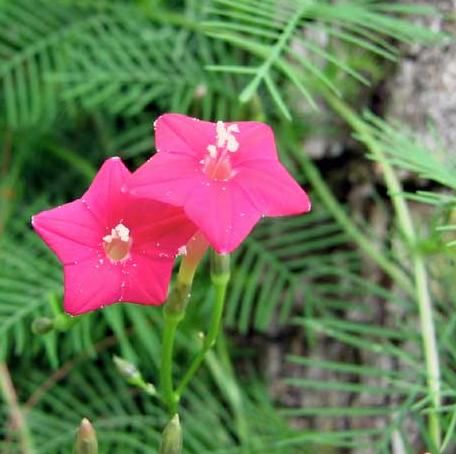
x=327, y=345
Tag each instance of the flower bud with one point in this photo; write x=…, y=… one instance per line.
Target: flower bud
x=42, y=325
x=86, y=439
x=133, y=376
x=171, y=442
x=127, y=369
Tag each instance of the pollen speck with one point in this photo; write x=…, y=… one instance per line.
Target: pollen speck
x=212, y=150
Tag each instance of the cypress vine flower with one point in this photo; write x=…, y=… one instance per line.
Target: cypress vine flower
x=114, y=247
x=226, y=176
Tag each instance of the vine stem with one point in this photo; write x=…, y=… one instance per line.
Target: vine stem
x=220, y=276
x=166, y=369
x=422, y=292
x=173, y=313
x=16, y=415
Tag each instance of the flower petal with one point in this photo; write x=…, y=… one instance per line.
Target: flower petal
x=104, y=197
x=146, y=279
x=256, y=141
x=224, y=213
x=91, y=284
x=273, y=190
x=158, y=228
x=167, y=177
x=71, y=231
x=176, y=133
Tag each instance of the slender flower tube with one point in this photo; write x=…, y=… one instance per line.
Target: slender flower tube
x=193, y=253
x=226, y=176
x=114, y=247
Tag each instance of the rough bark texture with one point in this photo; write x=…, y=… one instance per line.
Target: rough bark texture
x=423, y=91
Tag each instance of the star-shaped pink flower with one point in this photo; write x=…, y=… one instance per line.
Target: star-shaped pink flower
x=114, y=247
x=226, y=176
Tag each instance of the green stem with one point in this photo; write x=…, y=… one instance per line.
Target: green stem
x=220, y=277
x=166, y=369
x=17, y=418
x=220, y=293
x=430, y=347
x=173, y=314
x=422, y=291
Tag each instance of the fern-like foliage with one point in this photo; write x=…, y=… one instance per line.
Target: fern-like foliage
x=404, y=151
x=112, y=55
x=81, y=80
x=58, y=55
x=305, y=41
x=34, y=43
x=124, y=71
x=27, y=284
x=407, y=153
x=127, y=421
x=276, y=265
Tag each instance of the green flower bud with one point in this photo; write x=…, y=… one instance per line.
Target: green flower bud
x=127, y=369
x=133, y=376
x=171, y=442
x=86, y=439
x=42, y=325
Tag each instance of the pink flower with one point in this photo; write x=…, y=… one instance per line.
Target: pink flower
x=226, y=176
x=113, y=247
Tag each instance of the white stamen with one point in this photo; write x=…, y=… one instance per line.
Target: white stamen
x=225, y=136
x=232, y=144
x=119, y=232
x=212, y=150
x=233, y=128
x=220, y=134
